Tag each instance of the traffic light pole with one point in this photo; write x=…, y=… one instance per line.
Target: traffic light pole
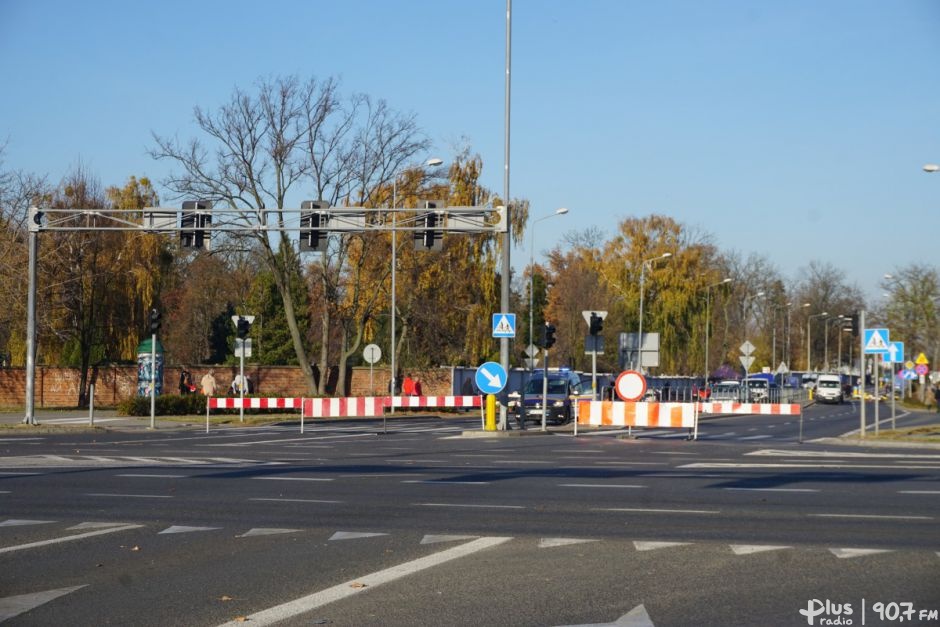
x=153, y=377
x=30, y=417
x=241, y=385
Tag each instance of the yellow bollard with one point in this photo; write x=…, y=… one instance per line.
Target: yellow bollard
x=490, y=412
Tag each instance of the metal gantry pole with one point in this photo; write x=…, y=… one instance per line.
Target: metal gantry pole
x=33, y=237
x=153, y=377
x=639, y=339
x=506, y=269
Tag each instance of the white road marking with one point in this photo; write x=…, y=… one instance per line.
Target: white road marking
x=266, y=531
x=354, y=535
x=773, y=489
x=849, y=553
x=779, y=453
x=295, y=500
x=96, y=525
x=756, y=437
x=748, y=549
x=354, y=586
x=805, y=465
x=140, y=476
x=435, y=539
x=130, y=496
x=871, y=516
x=293, y=478
x=652, y=546
x=16, y=605
x=185, y=529
x=18, y=522
x=599, y=485
x=655, y=511
x=549, y=543
x=471, y=505
x=79, y=536
x=447, y=481
x=20, y=474
x=919, y=492
x=637, y=617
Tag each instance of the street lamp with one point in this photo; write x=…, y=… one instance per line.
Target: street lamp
x=840, y=318
x=931, y=167
x=773, y=350
x=809, y=338
x=431, y=163
x=708, y=318
x=558, y=212
x=642, y=283
x=744, y=303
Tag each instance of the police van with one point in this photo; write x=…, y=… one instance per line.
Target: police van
x=564, y=388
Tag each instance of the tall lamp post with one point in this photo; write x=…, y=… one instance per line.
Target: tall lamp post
x=639, y=348
x=829, y=321
x=431, y=163
x=773, y=349
x=708, y=318
x=558, y=212
x=809, y=338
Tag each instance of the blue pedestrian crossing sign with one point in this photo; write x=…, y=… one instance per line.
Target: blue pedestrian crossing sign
x=895, y=353
x=876, y=341
x=504, y=325
x=490, y=378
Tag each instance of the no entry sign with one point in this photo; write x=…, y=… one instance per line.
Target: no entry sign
x=630, y=386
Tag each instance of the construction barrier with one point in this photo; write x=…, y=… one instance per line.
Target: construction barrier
x=222, y=402
x=436, y=401
x=618, y=414
x=350, y=407
x=731, y=407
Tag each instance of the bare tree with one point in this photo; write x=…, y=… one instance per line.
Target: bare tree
x=287, y=134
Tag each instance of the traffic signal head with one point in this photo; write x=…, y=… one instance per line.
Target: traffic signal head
x=194, y=222
x=430, y=237
x=313, y=219
x=548, y=336
x=36, y=219
x=243, y=327
x=154, y=320
x=596, y=325
x=855, y=324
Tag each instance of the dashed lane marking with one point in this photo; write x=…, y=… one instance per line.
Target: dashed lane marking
x=773, y=489
x=17, y=522
x=185, y=529
x=600, y=485
x=655, y=511
x=130, y=496
x=294, y=500
x=266, y=531
x=71, y=538
x=471, y=505
x=748, y=549
x=16, y=605
x=652, y=546
x=549, y=543
x=347, y=589
x=850, y=553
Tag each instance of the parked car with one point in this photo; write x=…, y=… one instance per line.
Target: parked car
x=726, y=391
x=829, y=389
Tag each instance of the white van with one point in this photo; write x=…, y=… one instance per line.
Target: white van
x=829, y=389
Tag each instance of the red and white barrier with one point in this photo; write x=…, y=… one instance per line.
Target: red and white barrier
x=730, y=407
x=350, y=407
x=222, y=402
x=436, y=401
x=617, y=414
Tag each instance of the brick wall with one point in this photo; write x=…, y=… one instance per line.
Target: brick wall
x=58, y=387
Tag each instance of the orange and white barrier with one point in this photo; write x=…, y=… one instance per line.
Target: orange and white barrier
x=730, y=407
x=617, y=414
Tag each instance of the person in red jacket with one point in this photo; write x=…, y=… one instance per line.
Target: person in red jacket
x=408, y=386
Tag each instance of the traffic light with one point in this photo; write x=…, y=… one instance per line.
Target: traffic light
x=154, y=320
x=548, y=336
x=242, y=327
x=855, y=324
x=194, y=223
x=596, y=325
x=429, y=238
x=313, y=219
x=36, y=218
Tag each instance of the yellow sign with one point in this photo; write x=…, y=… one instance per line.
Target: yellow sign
x=922, y=360
x=909, y=365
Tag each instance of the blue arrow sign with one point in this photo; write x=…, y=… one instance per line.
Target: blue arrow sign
x=876, y=341
x=490, y=378
x=504, y=325
x=895, y=353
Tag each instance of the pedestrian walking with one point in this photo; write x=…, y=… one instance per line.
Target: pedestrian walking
x=208, y=384
x=936, y=396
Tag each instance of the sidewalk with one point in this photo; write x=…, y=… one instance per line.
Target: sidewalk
x=60, y=420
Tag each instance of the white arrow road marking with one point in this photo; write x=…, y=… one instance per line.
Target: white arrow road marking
x=266, y=531
x=14, y=606
x=15, y=522
x=849, y=553
x=78, y=536
x=434, y=539
x=353, y=535
x=355, y=586
x=637, y=617
x=549, y=543
x=184, y=529
x=493, y=379
x=652, y=546
x=96, y=525
x=748, y=549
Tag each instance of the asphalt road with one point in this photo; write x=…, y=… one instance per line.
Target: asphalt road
x=343, y=525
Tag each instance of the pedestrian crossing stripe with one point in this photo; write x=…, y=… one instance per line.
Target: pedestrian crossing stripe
x=876, y=341
x=504, y=325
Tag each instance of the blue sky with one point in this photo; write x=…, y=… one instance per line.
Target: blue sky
x=794, y=129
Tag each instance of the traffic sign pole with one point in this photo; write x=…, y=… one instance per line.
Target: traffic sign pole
x=861, y=373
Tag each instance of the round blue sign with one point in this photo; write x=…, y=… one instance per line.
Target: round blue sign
x=490, y=377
